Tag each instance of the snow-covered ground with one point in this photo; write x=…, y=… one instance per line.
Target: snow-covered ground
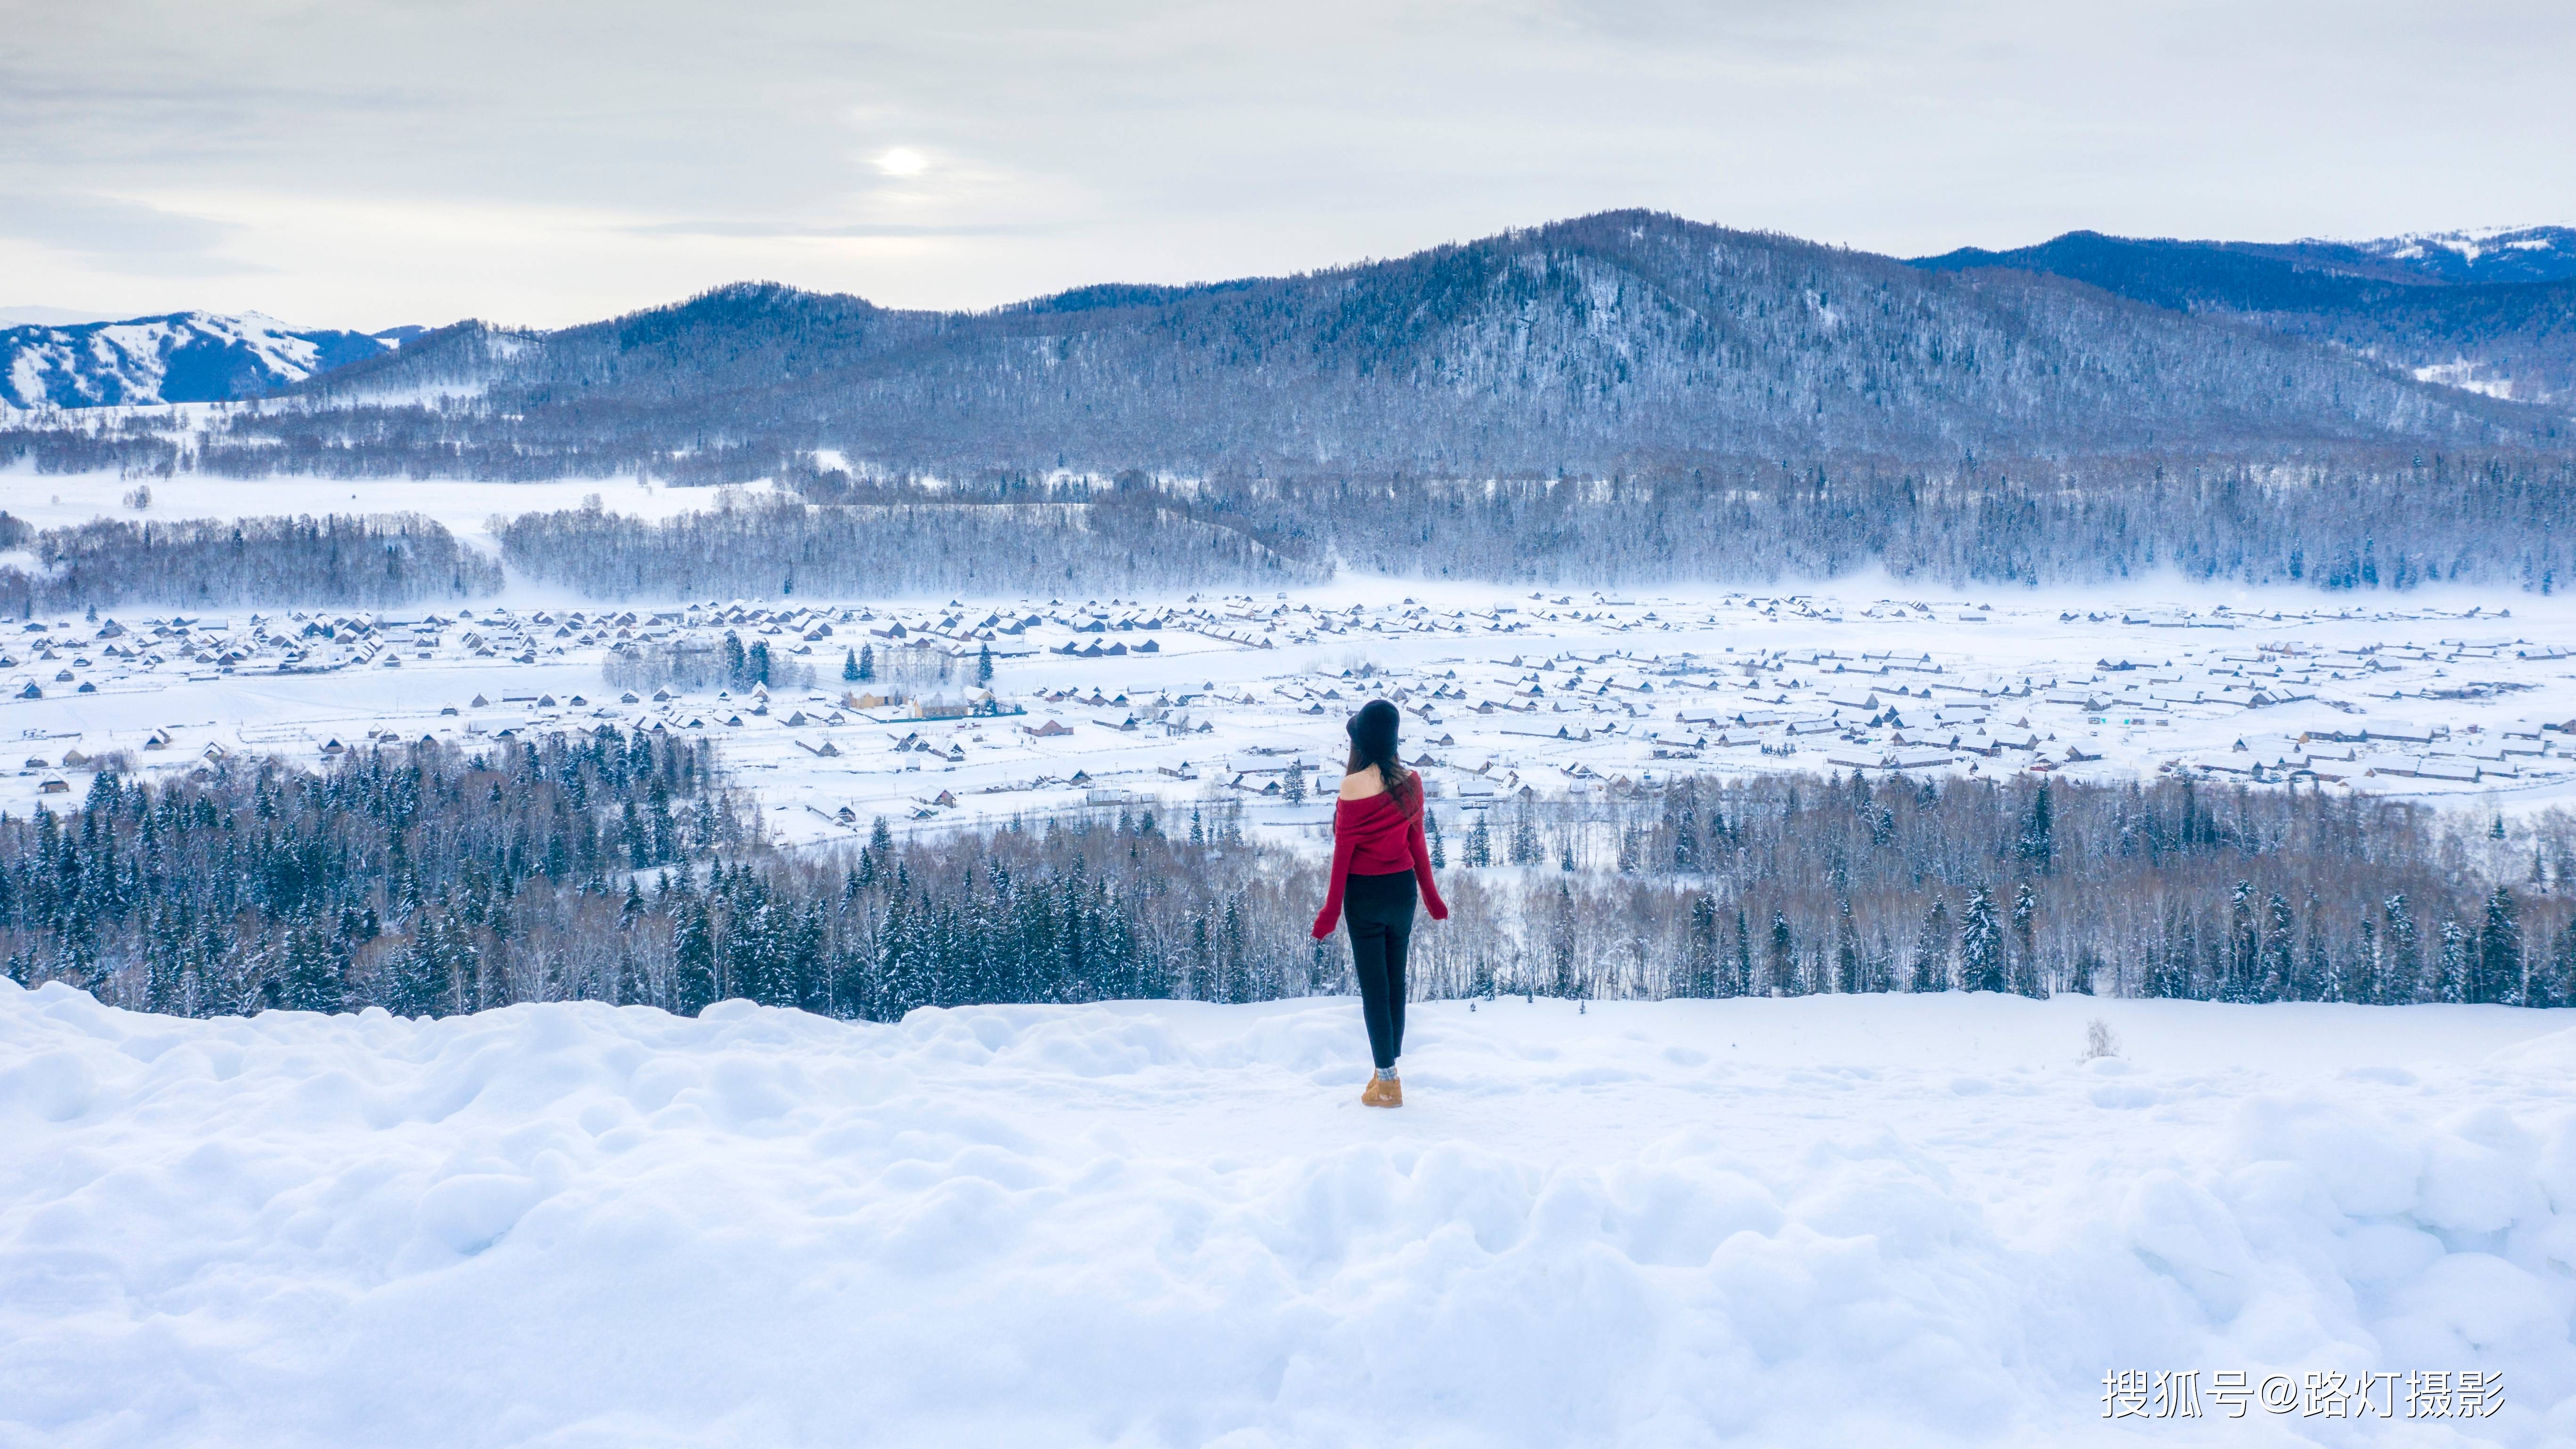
x=465, y=508
x=2455, y=695
x=1832, y=1221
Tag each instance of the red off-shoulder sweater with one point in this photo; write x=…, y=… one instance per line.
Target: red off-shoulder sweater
x=1379, y=835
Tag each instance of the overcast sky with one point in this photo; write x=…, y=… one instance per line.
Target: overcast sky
x=372, y=162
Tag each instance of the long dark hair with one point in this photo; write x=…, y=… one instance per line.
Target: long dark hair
x=1374, y=742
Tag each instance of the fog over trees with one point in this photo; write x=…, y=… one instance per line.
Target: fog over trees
x=781, y=549
x=377, y=561
x=2367, y=523
x=2384, y=523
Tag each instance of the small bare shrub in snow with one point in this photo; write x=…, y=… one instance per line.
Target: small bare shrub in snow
x=2098, y=1040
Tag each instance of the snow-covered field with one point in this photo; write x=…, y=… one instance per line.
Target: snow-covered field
x=2465, y=699
x=1828, y=1221
x=464, y=508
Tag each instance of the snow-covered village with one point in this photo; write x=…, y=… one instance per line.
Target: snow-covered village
x=967, y=710
x=1230, y=728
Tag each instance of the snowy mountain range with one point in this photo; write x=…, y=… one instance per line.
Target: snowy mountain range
x=1622, y=341
x=183, y=357
x=2499, y=254
x=1603, y=341
x=2491, y=312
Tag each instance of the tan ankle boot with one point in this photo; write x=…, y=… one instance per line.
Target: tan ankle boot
x=1381, y=1092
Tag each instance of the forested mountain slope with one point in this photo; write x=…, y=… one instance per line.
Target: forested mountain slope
x=2508, y=327
x=1621, y=341
x=2492, y=254
x=182, y=357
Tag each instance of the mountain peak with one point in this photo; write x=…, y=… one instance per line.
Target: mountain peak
x=175, y=357
x=2483, y=254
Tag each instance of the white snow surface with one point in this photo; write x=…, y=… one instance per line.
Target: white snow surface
x=465, y=508
x=1830, y=1221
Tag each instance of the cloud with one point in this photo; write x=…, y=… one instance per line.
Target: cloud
x=796, y=231
x=123, y=236
x=408, y=159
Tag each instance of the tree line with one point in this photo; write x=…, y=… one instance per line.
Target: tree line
x=2358, y=524
x=2338, y=520
x=371, y=562
x=620, y=867
x=702, y=664
x=785, y=549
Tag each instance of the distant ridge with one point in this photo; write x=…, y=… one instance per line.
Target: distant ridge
x=181, y=357
x=33, y=316
x=2491, y=311
x=1622, y=340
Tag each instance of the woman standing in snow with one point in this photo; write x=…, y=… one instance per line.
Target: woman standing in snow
x=1378, y=859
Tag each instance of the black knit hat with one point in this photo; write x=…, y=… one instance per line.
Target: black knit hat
x=1373, y=730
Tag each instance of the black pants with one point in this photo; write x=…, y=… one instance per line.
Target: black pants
x=1380, y=911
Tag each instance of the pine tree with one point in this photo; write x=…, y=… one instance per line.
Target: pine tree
x=2037, y=846
x=1684, y=804
x=2245, y=945
x=2081, y=971
x=415, y=975
x=867, y=662
x=984, y=664
x=1981, y=945
x=2560, y=980
x=1782, y=963
x=2324, y=979
x=2498, y=974
x=2027, y=979
x=2456, y=962
x=1480, y=841
x=1846, y=943
x=314, y=975
x=1561, y=938
x=1700, y=971
x=2405, y=980
x=2279, y=963
x=1439, y=850
x=693, y=957
x=1931, y=969
x=2367, y=982
x=850, y=665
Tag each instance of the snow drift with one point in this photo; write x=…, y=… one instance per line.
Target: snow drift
x=1837, y=1220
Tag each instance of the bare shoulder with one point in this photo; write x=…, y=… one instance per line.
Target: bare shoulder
x=1361, y=784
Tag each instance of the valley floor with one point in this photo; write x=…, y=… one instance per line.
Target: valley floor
x=1834, y=1221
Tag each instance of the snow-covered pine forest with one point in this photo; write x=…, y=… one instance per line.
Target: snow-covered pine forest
x=622, y=868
